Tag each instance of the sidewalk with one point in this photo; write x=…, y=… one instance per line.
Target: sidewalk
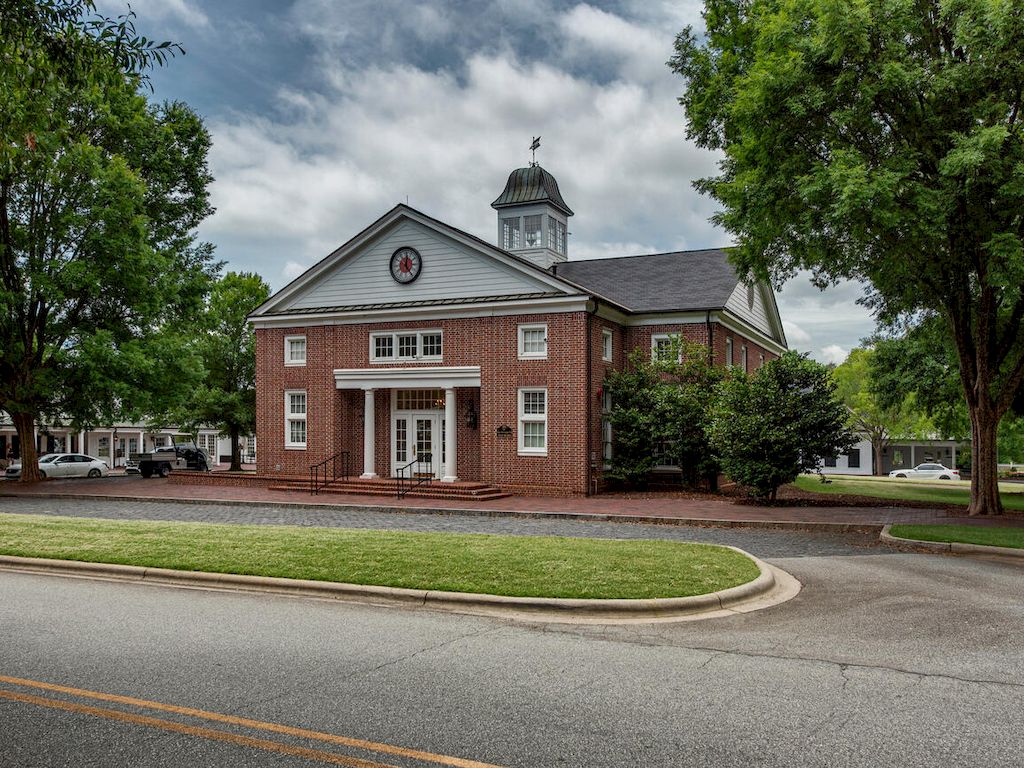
x=627, y=507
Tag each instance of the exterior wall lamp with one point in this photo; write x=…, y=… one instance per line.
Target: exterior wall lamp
x=471, y=416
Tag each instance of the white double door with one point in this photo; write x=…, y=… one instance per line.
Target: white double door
x=418, y=434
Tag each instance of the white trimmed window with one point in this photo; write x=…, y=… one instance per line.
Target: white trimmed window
x=663, y=345
x=294, y=350
x=533, y=342
x=510, y=233
x=396, y=346
x=728, y=351
x=533, y=422
x=295, y=418
x=556, y=235
x=532, y=231
x=743, y=357
x=606, y=344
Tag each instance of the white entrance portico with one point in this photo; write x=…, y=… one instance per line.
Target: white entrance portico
x=423, y=420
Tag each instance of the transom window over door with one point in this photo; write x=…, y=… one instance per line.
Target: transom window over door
x=419, y=400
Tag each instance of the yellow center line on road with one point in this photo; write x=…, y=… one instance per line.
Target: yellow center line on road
x=413, y=754
x=192, y=730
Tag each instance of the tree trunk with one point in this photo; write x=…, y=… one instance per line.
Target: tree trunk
x=877, y=446
x=25, y=423
x=985, y=498
x=236, y=454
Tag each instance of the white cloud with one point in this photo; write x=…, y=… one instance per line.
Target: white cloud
x=293, y=269
x=795, y=335
x=182, y=10
x=833, y=353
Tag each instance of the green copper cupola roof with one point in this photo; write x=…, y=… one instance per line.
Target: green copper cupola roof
x=531, y=185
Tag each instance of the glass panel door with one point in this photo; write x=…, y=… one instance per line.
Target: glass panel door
x=400, y=449
x=425, y=441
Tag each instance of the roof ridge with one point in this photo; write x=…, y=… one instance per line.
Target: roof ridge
x=645, y=255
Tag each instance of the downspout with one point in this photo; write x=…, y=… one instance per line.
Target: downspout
x=710, y=333
x=592, y=309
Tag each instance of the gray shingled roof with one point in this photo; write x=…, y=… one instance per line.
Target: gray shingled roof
x=531, y=185
x=658, y=282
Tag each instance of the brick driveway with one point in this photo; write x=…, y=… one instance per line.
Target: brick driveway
x=128, y=487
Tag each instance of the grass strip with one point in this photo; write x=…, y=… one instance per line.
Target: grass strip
x=528, y=566
x=965, y=534
x=905, y=491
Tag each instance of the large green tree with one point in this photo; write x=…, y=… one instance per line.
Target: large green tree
x=100, y=195
x=877, y=419
x=226, y=344
x=878, y=140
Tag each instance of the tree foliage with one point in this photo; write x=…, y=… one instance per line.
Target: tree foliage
x=878, y=141
x=879, y=419
x=100, y=195
x=660, y=410
x=226, y=345
x=769, y=427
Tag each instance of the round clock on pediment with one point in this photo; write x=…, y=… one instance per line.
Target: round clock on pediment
x=406, y=264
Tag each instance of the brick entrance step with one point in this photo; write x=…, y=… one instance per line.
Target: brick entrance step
x=385, y=487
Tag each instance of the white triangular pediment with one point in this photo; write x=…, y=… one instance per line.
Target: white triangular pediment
x=757, y=308
x=455, y=267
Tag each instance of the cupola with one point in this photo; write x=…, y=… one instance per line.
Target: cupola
x=533, y=217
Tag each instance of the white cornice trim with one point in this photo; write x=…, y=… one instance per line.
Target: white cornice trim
x=405, y=378
x=553, y=304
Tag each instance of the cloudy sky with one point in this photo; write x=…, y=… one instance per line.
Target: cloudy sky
x=325, y=113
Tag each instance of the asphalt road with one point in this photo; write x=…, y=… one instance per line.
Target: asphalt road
x=883, y=659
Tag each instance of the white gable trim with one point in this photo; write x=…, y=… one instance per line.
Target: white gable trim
x=733, y=323
x=384, y=223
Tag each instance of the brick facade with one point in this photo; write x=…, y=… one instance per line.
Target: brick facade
x=573, y=374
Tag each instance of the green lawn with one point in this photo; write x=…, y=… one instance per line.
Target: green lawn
x=503, y=565
x=905, y=490
x=968, y=534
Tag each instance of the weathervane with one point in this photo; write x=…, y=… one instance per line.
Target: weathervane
x=533, y=149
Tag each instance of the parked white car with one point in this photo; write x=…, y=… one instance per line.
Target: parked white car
x=64, y=465
x=927, y=472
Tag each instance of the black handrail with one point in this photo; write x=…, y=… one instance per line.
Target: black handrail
x=320, y=476
x=417, y=475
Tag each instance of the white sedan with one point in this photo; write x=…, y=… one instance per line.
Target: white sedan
x=927, y=472
x=64, y=465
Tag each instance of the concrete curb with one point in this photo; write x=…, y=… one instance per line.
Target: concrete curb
x=687, y=522
x=750, y=596
x=954, y=547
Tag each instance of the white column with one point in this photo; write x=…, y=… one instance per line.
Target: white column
x=451, y=429
x=81, y=442
x=142, y=443
x=369, y=436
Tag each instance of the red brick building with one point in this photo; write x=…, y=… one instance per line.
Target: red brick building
x=416, y=339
